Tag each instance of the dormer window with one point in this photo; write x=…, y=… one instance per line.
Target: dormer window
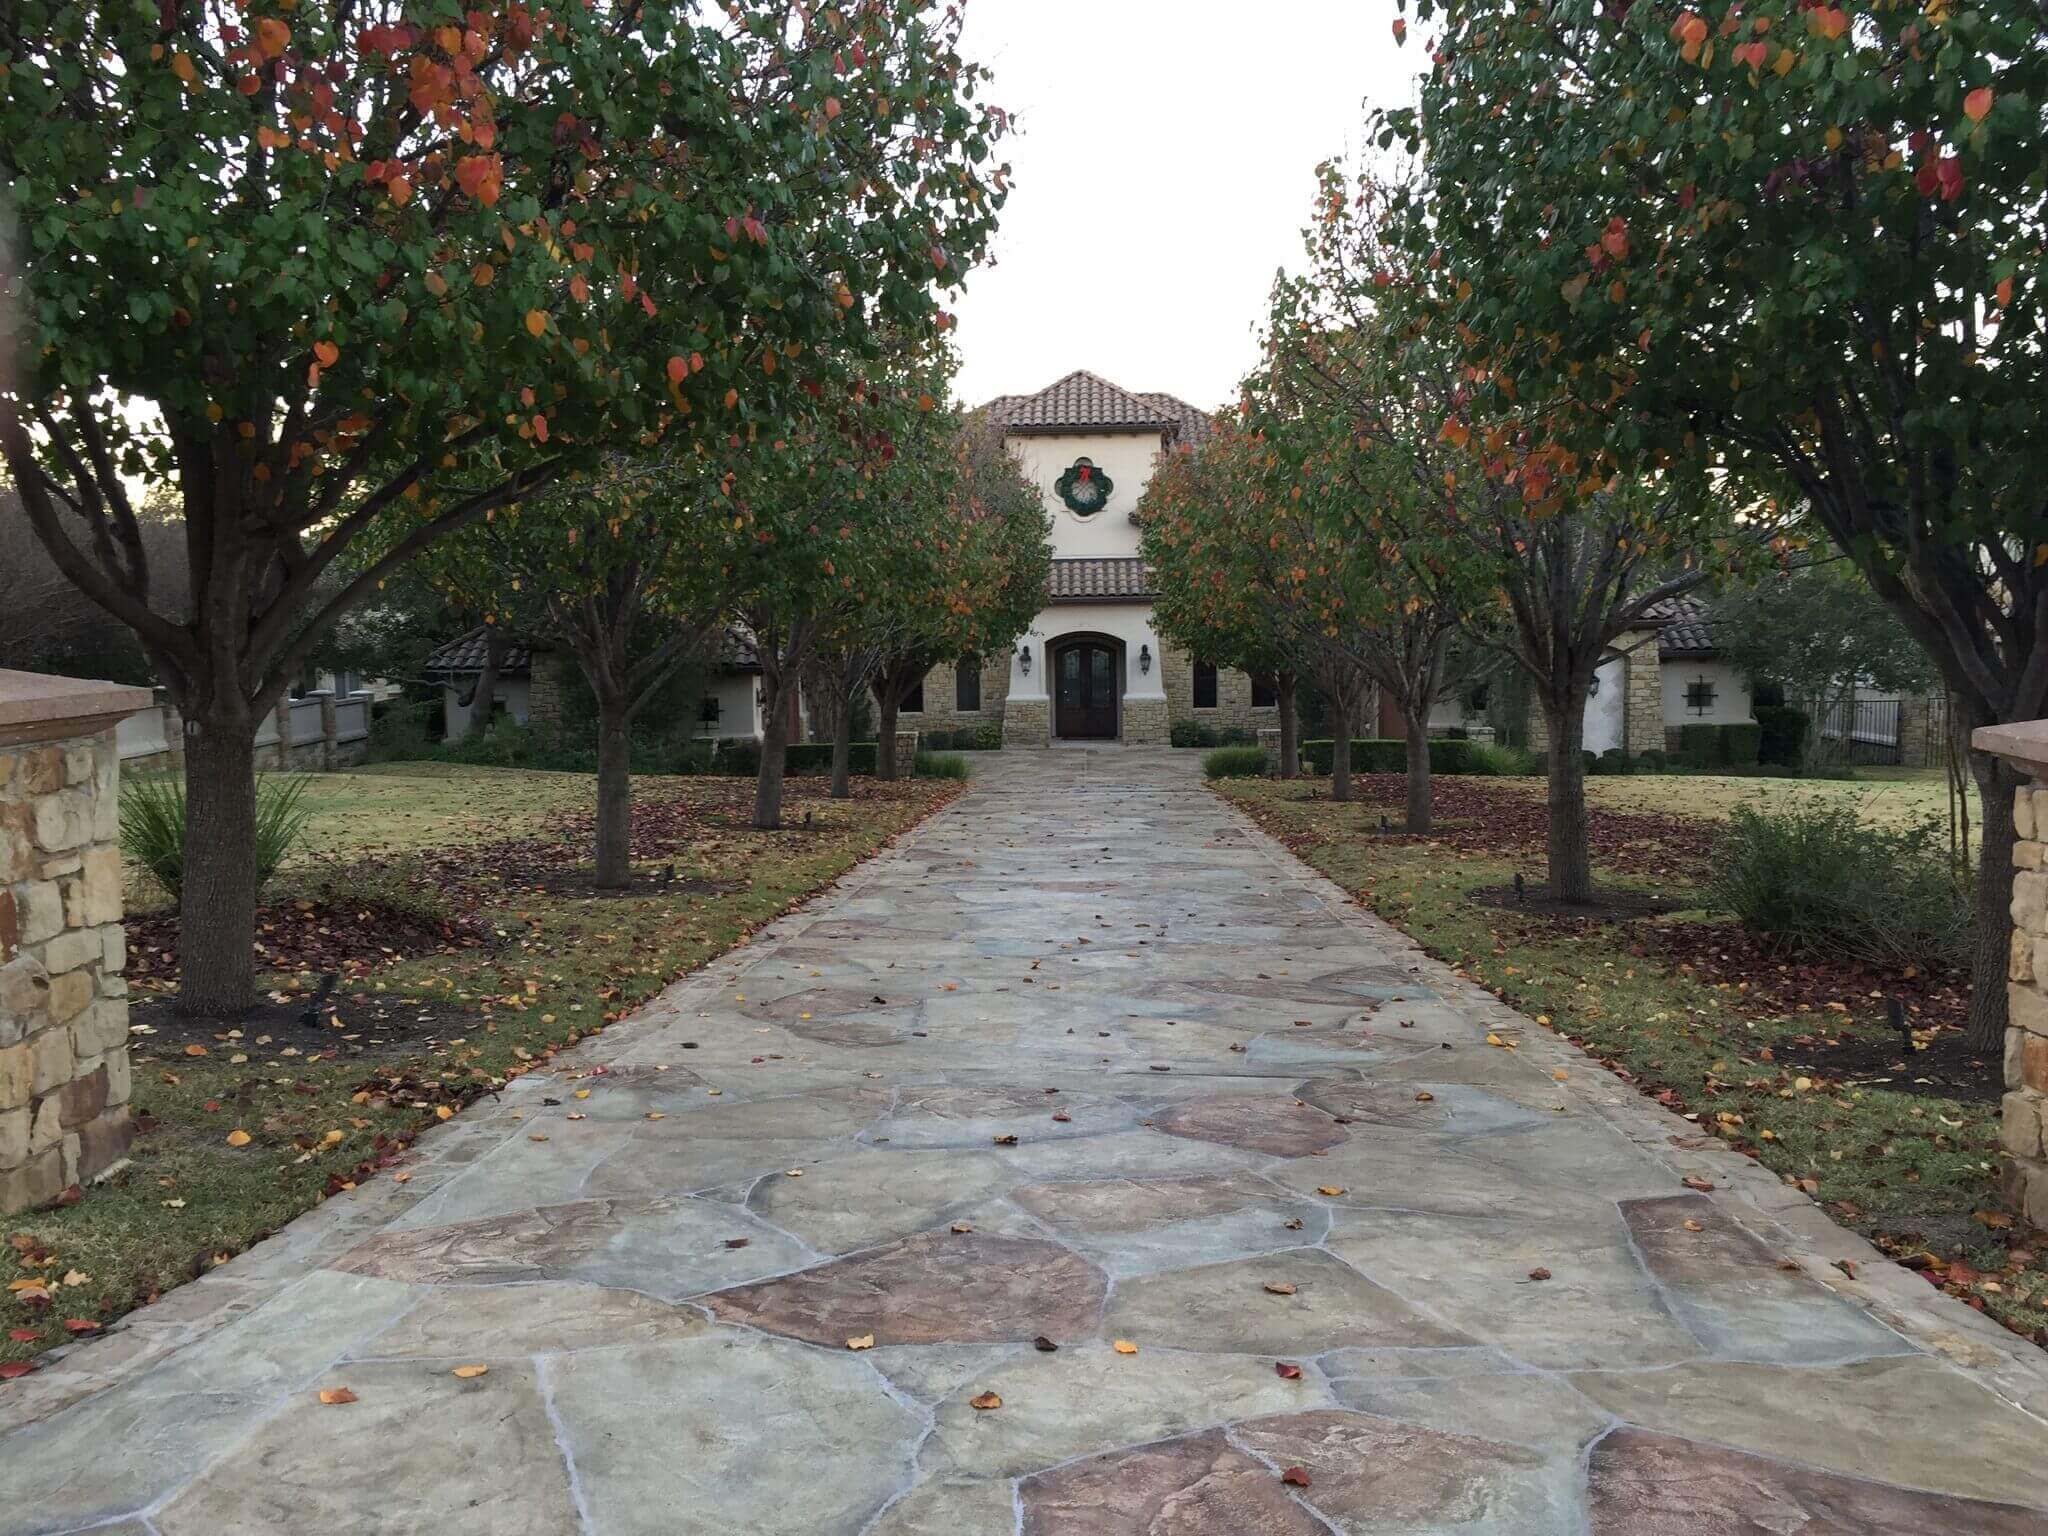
x=1084, y=488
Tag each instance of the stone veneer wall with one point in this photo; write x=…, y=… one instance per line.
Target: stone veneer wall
x=939, y=713
x=1642, y=726
x=546, y=678
x=2024, y=1130
x=63, y=1004
x=1233, y=694
x=1027, y=722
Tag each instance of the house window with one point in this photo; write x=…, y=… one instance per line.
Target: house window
x=967, y=686
x=1699, y=696
x=709, y=711
x=913, y=699
x=1205, y=685
x=1265, y=693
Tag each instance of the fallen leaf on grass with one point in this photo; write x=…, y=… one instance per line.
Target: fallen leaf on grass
x=333, y=1395
x=985, y=1402
x=81, y=1325
x=238, y=1138
x=23, y=1335
x=469, y=1372
x=9, y=1369
x=443, y=1112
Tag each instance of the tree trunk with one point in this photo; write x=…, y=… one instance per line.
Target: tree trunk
x=1340, y=744
x=1571, y=870
x=217, y=906
x=774, y=742
x=842, y=750
x=614, y=795
x=1290, y=727
x=1419, y=806
x=888, y=699
x=1991, y=953
x=484, y=691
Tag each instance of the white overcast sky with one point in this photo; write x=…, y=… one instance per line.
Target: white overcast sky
x=1163, y=171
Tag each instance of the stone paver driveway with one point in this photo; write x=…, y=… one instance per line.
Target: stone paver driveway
x=1089, y=1100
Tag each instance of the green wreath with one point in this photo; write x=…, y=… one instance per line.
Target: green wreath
x=1084, y=488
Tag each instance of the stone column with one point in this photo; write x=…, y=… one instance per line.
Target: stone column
x=1643, y=714
x=2024, y=1129
x=63, y=1004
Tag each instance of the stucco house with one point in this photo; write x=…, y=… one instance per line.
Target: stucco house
x=1091, y=667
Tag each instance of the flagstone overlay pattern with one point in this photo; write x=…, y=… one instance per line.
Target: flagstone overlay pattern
x=1083, y=1166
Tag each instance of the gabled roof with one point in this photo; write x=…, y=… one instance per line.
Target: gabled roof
x=465, y=654
x=1685, y=629
x=1086, y=402
x=1100, y=580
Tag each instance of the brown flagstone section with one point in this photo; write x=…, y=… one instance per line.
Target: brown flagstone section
x=1282, y=1127
x=1643, y=1484
x=1198, y=1486
x=935, y=1288
x=1384, y=1475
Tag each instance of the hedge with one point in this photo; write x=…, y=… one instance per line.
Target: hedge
x=1783, y=738
x=1238, y=762
x=1385, y=754
x=1720, y=746
x=816, y=757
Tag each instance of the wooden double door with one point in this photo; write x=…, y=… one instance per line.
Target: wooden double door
x=1085, y=691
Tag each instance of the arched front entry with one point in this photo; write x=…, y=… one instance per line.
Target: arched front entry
x=1087, y=687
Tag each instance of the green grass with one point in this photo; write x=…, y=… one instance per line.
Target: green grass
x=1912, y=1172
x=1890, y=796
x=564, y=968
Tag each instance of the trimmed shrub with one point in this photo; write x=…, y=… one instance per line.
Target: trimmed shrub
x=739, y=756
x=153, y=824
x=966, y=738
x=1615, y=760
x=1719, y=746
x=1239, y=762
x=940, y=765
x=1819, y=881
x=1386, y=754
x=1652, y=761
x=1781, y=737
x=1194, y=733
x=805, y=757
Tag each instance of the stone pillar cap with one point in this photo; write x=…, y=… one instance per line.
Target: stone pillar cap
x=2024, y=743
x=35, y=706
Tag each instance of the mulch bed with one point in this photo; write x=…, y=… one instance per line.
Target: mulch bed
x=1487, y=816
x=1850, y=1039
x=350, y=1025
x=1607, y=905
x=316, y=936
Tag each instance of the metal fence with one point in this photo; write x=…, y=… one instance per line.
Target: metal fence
x=1861, y=730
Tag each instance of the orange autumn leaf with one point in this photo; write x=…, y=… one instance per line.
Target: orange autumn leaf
x=238, y=1138
x=333, y=1395
x=1977, y=105
x=536, y=322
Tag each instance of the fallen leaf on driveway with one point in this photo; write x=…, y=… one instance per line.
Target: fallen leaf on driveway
x=333, y=1395
x=1009, y=1140
x=1295, y=1477
x=1539, y=1273
x=862, y=1341
x=1693, y=1226
x=469, y=1372
x=1694, y=1181
x=1285, y=1371
x=1042, y=1344
x=1425, y=1097
x=1124, y=1347
x=985, y=1402
x=9, y=1369
x=1280, y=1287
x=963, y=1226
x=1329, y=1189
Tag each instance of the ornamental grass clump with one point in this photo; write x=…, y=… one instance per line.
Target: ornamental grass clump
x=1820, y=882
x=153, y=825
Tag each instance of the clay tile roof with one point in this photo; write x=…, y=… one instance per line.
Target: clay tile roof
x=1685, y=628
x=1083, y=402
x=1099, y=581
x=466, y=654
x=1195, y=423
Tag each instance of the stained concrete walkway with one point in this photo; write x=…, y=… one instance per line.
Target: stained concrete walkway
x=1088, y=1099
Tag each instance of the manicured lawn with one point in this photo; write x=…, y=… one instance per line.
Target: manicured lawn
x=1753, y=1056
x=437, y=895
x=1887, y=796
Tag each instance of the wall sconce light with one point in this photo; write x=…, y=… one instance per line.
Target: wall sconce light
x=1024, y=659
x=1144, y=660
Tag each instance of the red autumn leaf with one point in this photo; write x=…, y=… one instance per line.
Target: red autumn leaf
x=1285, y=1371
x=1295, y=1477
